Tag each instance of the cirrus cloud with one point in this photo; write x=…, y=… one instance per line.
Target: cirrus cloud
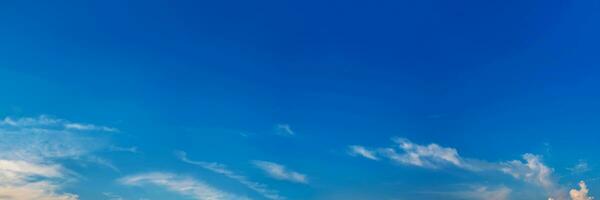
x=30, y=153
x=280, y=172
x=182, y=185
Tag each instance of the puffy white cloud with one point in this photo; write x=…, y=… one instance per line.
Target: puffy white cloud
x=223, y=170
x=182, y=185
x=280, y=172
x=581, y=194
x=356, y=150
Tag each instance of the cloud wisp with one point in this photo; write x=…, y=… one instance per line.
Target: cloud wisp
x=284, y=129
x=182, y=185
x=356, y=150
x=218, y=168
x=51, y=122
x=280, y=172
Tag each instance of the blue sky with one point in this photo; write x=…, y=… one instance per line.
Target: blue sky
x=323, y=100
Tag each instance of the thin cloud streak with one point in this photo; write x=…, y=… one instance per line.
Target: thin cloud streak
x=280, y=172
x=223, y=170
x=355, y=150
x=182, y=185
x=284, y=129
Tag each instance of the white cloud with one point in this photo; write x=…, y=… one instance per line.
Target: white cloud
x=42, y=120
x=88, y=127
x=182, y=185
x=280, y=172
x=23, y=180
x=284, y=129
x=51, y=122
x=428, y=156
x=30, y=152
x=581, y=194
x=222, y=169
x=356, y=150
x=532, y=170
x=41, y=190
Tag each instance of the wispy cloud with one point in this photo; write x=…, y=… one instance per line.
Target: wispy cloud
x=284, y=129
x=356, y=150
x=487, y=193
x=409, y=153
x=280, y=172
x=581, y=167
x=223, y=170
x=88, y=127
x=30, y=151
x=182, y=185
x=111, y=196
x=531, y=169
x=51, y=122
x=102, y=162
x=124, y=149
x=476, y=192
x=431, y=156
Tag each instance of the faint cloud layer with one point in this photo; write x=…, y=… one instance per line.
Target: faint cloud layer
x=485, y=193
x=30, y=153
x=50, y=122
x=284, y=129
x=580, y=167
x=186, y=186
x=124, y=149
x=111, y=196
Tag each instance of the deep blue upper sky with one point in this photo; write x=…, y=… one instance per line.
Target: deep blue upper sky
x=297, y=83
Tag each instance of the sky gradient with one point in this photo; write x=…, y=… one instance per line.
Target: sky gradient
x=299, y=100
